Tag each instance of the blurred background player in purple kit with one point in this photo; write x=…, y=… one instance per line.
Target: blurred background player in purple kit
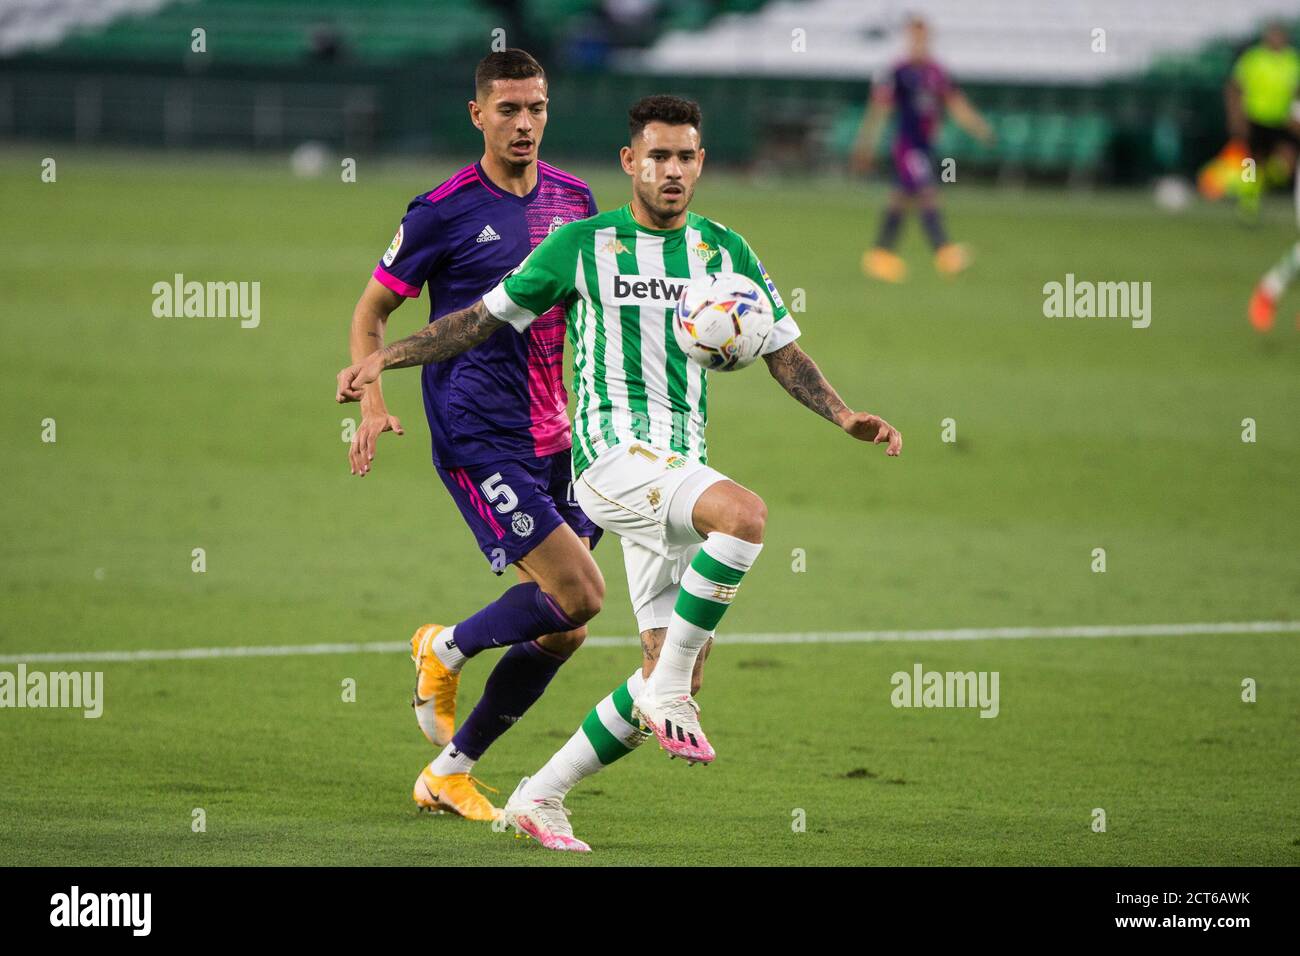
x=498, y=422
x=918, y=91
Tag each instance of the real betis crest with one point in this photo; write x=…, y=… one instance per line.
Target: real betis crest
x=704, y=251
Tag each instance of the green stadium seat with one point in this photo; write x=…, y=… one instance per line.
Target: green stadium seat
x=1049, y=144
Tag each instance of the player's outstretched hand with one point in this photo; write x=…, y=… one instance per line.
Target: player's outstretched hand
x=352, y=381
x=867, y=427
x=362, y=450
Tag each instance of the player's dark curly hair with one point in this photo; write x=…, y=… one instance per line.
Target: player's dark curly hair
x=511, y=64
x=662, y=108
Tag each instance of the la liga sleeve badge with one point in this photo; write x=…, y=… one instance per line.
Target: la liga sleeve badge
x=393, y=246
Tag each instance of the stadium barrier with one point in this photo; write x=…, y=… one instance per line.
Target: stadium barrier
x=1119, y=132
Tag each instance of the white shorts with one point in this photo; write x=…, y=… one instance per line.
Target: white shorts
x=646, y=496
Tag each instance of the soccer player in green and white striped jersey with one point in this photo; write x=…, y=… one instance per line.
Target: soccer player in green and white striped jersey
x=640, y=467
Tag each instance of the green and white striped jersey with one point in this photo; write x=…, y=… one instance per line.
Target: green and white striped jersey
x=619, y=283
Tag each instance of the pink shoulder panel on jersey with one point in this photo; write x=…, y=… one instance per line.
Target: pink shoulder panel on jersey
x=560, y=175
x=463, y=178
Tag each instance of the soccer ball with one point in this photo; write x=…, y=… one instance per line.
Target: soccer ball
x=722, y=321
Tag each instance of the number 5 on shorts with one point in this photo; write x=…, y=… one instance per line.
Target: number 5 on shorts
x=495, y=489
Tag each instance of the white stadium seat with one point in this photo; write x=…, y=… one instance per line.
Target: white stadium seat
x=990, y=40
x=41, y=24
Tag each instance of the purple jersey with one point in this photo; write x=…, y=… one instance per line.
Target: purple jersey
x=504, y=398
x=918, y=92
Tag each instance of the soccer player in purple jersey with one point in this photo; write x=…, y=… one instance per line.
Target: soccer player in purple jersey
x=499, y=426
x=918, y=90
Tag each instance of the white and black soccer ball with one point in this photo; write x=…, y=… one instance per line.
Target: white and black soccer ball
x=722, y=321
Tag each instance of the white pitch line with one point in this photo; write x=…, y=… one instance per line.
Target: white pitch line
x=811, y=637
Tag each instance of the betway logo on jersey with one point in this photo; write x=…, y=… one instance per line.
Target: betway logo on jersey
x=637, y=290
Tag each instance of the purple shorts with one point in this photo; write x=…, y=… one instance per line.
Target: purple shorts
x=913, y=166
x=511, y=506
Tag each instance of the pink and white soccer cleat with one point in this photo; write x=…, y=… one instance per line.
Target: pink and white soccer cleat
x=546, y=820
x=675, y=720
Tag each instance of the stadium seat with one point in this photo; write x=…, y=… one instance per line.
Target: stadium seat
x=994, y=40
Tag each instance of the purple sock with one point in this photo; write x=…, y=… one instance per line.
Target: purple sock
x=524, y=613
x=934, y=227
x=889, y=226
x=514, y=685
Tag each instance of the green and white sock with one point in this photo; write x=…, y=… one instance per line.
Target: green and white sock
x=1279, y=277
x=607, y=734
x=707, y=589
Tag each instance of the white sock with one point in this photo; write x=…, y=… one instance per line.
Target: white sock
x=605, y=736
x=1279, y=277
x=450, y=761
x=707, y=589
x=445, y=649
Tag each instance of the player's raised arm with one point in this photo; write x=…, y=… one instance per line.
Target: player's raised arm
x=540, y=281
x=452, y=334
x=800, y=376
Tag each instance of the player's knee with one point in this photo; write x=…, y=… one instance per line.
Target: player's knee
x=565, y=644
x=573, y=639
x=747, y=517
x=582, y=598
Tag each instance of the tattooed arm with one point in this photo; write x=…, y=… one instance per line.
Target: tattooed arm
x=800, y=376
x=446, y=338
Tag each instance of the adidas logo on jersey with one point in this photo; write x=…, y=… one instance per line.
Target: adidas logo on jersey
x=488, y=235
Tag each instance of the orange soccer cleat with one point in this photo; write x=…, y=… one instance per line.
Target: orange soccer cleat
x=434, y=699
x=454, y=792
x=1262, y=310
x=952, y=258
x=884, y=265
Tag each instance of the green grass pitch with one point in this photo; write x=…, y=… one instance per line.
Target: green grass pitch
x=176, y=434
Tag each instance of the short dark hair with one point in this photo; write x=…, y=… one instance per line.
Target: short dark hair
x=511, y=64
x=662, y=108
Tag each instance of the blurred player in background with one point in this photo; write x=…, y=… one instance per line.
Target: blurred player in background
x=499, y=424
x=919, y=91
x=1263, y=303
x=1258, y=99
